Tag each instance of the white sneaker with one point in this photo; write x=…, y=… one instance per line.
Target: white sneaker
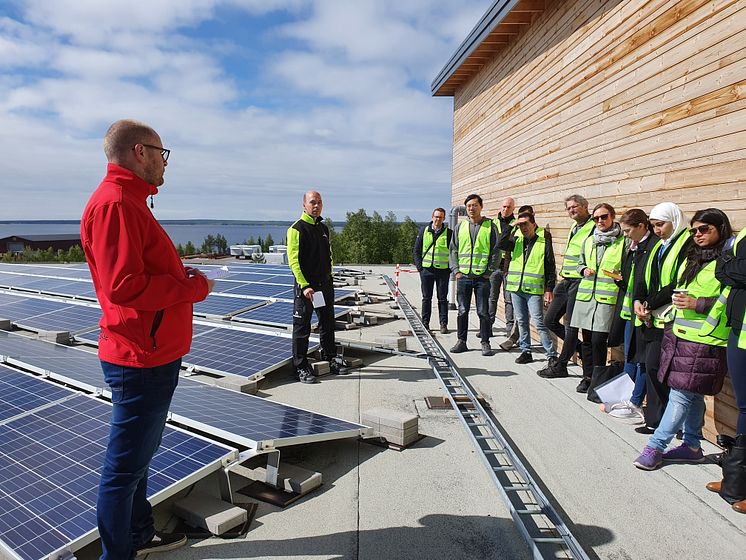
x=628, y=412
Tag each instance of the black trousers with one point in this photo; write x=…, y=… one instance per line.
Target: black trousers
x=302, y=313
x=598, y=350
x=657, y=397
x=438, y=278
x=562, y=305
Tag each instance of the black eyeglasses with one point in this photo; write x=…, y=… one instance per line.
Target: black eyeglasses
x=601, y=217
x=700, y=229
x=164, y=152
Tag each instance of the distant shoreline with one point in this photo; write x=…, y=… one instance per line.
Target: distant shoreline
x=172, y=222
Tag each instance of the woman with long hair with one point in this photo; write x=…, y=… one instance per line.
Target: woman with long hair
x=653, y=295
x=691, y=364
x=595, y=302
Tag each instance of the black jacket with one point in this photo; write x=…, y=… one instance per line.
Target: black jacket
x=730, y=270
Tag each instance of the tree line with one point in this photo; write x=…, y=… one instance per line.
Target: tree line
x=364, y=239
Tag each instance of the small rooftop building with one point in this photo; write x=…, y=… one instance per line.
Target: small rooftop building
x=60, y=241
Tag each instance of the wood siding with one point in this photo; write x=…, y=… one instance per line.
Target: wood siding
x=627, y=102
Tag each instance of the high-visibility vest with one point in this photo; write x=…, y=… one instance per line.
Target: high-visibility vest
x=600, y=286
x=627, y=305
x=528, y=278
x=474, y=259
x=574, y=247
x=687, y=323
x=717, y=319
x=668, y=267
x=435, y=253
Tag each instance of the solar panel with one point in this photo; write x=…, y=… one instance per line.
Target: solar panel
x=242, y=419
x=257, y=290
x=239, y=352
x=25, y=308
x=20, y=393
x=253, y=421
x=222, y=306
x=91, y=337
x=50, y=462
x=71, y=318
x=279, y=313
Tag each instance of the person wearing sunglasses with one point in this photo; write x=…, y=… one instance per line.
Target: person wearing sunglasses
x=652, y=300
x=146, y=296
x=595, y=303
x=692, y=364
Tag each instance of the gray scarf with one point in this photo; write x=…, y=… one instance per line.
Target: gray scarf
x=607, y=237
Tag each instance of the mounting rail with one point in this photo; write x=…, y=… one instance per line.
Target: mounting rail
x=534, y=516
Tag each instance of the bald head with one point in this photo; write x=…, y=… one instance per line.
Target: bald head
x=122, y=136
x=507, y=207
x=312, y=204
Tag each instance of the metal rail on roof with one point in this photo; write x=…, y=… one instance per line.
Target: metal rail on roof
x=536, y=519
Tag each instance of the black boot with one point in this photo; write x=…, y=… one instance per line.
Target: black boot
x=733, y=487
x=726, y=442
x=596, y=379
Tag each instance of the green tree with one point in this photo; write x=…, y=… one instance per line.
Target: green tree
x=354, y=237
x=268, y=242
x=221, y=244
x=250, y=241
x=208, y=245
x=405, y=239
x=180, y=249
x=75, y=254
x=189, y=248
x=337, y=243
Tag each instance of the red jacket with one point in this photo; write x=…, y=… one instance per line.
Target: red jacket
x=145, y=292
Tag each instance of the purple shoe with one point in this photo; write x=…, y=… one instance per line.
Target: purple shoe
x=649, y=460
x=684, y=454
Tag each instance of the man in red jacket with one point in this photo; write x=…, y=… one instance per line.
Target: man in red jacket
x=146, y=295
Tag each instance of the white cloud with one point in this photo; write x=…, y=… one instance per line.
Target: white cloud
x=342, y=104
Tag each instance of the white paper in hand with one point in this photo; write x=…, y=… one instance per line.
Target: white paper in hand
x=318, y=300
x=215, y=273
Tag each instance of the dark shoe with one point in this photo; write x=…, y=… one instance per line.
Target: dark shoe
x=714, y=486
x=684, y=454
x=554, y=371
x=524, y=358
x=444, y=328
x=305, y=375
x=426, y=325
x=459, y=347
x=647, y=430
x=733, y=488
x=486, y=349
x=334, y=368
x=583, y=385
x=161, y=542
x=507, y=344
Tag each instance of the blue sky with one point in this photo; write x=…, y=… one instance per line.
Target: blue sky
x=258, y=100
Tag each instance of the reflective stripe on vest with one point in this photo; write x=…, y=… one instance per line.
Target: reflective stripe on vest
x=717, y=318
x=435, y=255
x=575, y=242
x=528, y=279
x=474, y=259
x=668, y=274
x=600, y=286
x=626, y=311
x=687, y=323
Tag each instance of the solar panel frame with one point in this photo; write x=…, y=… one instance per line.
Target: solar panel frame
x=217, y=306
x=71, y=318
x=80, y=427
x=278, y=314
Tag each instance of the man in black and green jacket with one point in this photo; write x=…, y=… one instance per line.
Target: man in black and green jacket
x=310, y=259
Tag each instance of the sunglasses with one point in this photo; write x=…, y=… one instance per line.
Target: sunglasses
x=603, y=217
x=700, y=229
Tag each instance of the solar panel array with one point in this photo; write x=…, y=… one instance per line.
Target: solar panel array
x=279, y=313
x=50, y=459
x=237, y=417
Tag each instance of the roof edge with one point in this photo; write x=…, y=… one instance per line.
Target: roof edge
x=491, y=19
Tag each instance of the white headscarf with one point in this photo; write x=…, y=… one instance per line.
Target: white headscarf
x=669, y=212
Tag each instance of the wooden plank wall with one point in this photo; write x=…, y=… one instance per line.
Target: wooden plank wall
x=629, y=102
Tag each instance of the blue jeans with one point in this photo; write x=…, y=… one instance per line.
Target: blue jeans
x=480, y=286
x=140, y=398
x=531, y=304
x=497, y=279
x=685, y=410
x=635, y=370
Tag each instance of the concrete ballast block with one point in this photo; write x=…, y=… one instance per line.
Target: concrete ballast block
x=321, y=368
x=396, y=342
x=395, y=426
x=215, y=515
x=240, y=384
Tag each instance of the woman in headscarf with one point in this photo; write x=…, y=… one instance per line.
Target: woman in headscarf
x=692, y=364
x=653, y=296
x=600, y=262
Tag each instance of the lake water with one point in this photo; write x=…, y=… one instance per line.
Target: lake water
x=179, y=232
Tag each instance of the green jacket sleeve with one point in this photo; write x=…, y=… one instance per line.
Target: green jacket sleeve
x=293, y=252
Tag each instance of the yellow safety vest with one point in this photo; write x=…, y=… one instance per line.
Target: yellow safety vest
x=668, y=267
x=627, y=305
x=528, y=278
x=717, y=319
x=435, y=253
x=600, y=286
x=574, y=247
x=474, y=258
x=687, y=323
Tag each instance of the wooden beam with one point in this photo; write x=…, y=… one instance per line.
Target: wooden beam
x=530, y=6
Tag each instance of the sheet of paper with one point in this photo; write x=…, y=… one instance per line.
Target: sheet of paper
x=616, y=390
x=215, y=273
x=318, y=300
